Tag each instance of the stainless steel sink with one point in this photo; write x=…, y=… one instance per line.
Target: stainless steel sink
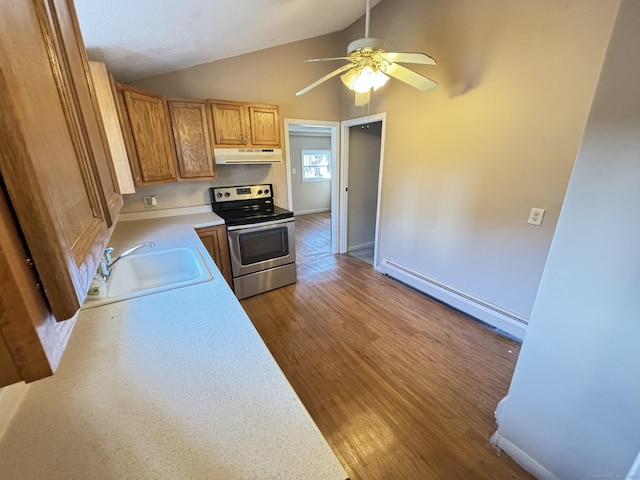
x=153, y=272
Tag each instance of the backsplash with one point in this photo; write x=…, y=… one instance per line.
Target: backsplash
x=191, y=194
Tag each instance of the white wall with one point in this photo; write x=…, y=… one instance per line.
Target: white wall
x=308, y=197
x=364, y=168
x=465, y=163
x=574, y=402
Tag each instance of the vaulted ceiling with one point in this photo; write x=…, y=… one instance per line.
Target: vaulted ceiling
x=148, y=37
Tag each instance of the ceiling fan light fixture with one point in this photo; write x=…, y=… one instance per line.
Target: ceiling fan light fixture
x=363, y=79
x=369, y=78
x=370, y=67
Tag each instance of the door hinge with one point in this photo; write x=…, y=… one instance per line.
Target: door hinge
x=36, y=277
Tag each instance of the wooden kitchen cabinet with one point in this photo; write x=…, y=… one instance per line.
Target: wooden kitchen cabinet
x=265, y=127
x=58, y=195
x=146, y=126
x=192, y=134
x=216, y=243
x=230, y=124
x=238, y=124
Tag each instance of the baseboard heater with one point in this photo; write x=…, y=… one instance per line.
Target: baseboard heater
x=495, y=316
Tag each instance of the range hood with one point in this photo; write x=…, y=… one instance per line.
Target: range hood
x=247, y=156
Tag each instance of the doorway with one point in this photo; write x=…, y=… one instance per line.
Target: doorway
x=361, y=151
x=312, y=183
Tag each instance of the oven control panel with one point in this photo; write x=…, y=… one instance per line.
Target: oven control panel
x=245, y=192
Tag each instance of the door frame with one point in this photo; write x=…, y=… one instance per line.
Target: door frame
x=344, y=179
x=335, y=169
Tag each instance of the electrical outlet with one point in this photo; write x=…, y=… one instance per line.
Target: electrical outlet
x=150, y=201
x=535, y=216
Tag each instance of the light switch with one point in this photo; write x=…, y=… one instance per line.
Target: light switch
x=293, y=171
x=535, y=216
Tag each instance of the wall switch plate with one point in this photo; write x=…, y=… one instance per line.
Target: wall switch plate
x=535, y=216
x=150, y=201
x=293, y=171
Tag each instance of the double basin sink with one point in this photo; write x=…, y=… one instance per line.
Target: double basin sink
x=153, y=272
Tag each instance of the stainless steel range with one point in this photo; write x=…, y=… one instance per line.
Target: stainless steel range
x=261, y=238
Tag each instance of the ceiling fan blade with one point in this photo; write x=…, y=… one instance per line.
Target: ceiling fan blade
x=363, y=98
x=338, y=71
x=408, y=58
x=410, y=77
x=326, y=59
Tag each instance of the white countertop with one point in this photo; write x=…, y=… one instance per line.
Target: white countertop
x=176, y=385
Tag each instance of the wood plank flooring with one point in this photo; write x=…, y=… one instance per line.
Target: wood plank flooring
x=401, y=386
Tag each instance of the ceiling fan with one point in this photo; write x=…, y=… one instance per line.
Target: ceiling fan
x=370, y=67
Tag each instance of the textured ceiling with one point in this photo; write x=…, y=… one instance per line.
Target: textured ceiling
x=148, y=37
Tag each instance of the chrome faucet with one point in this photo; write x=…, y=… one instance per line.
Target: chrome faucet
x=106, y=264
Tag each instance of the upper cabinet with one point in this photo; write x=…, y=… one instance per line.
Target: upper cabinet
x=176, y=139
x=167, y=141
x=192, y=137
x=59, y=193
x=77, y=86
x=265, y=127
x=146, y=124
x=230, y=124
x=239, y=124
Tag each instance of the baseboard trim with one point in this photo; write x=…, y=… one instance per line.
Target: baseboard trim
x=495, y=316
x=319, y=210
x=521, y=458
x=10, y=398
x=361, y=246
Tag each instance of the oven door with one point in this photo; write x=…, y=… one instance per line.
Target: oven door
x=261, y=246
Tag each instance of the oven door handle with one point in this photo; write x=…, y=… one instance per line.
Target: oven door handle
x=259, y=224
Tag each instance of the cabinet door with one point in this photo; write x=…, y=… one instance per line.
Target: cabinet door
x=265, y=127
x=152, y=159
x=216, y=243
x=77, y=78
x=30, y=348
x=192, y=137
x=230, y=124
x=45, y=161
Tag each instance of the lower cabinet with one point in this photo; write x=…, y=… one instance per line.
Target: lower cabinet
x=216, y=243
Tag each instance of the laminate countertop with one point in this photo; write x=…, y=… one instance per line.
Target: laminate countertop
x=174, y=385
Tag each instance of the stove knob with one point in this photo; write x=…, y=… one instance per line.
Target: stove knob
x=266, y=191
x=227, y=194
x=259, y=192
x=219, y=195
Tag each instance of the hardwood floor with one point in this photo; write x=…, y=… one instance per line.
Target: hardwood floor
x=401, y=386
x=313, y=236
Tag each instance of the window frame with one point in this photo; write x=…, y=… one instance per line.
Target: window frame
x=315, y=151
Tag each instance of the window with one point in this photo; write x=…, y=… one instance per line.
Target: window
x=316, y=165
